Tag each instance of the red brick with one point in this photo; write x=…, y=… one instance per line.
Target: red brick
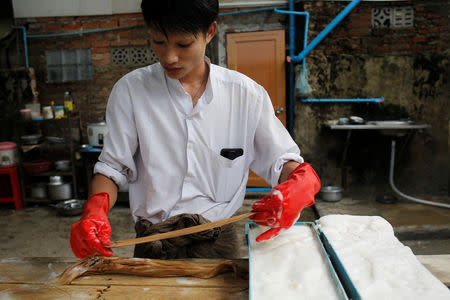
x=101, y=56
x=120, y=43
x=45, y=19
x=433, y=29
x=419, y=39
x=405, y=47
x=65, y=19
x=354, y=41
x=431, y=16
x=109, y=24
x=382, y=49
x=100, y=44
x=126, y=35
x=72, y=26
x=360, y=25
x=131, y=16
x=91, y=37
x=53, y=27
x=358, y=32
x=139, y=43
x=420, y=8
x=80, y=44
x=100, y=50
x=35, y=27
x=98, y=24
x=361, y=17
x=128, y=22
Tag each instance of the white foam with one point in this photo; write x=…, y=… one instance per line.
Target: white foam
x=380, y=266
x=289, y=266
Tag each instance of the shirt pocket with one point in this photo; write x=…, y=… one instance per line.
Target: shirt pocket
x=228, y=175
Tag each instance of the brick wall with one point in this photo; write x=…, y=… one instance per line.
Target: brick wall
x=90, y=96
x=409, y=67
x=355, y=35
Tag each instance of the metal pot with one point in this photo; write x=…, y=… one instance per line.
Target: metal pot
x=72, y=207
x=331, y=193
x=96, y=133
x=38, y=190
x=59, y=190
x=62, y=165
x=9, y=155
x=31, y=139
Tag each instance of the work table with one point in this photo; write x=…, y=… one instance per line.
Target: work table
x=34, y=278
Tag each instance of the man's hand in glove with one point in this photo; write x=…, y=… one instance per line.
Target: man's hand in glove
x=91, y=234
x=281, y=208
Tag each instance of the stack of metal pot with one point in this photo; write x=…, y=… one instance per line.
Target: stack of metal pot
x=58, y=189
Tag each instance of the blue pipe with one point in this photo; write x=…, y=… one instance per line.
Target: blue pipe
x=323, y=33
x=376, y=100
x=292, y=31
x=52, y=35
x=291, y=49
x=249, y=189
x=24, y=31
x=249, y=11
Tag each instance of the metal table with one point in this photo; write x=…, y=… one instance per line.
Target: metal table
x=393, y=129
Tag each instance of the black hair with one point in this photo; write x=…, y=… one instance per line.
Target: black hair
x=180, y=16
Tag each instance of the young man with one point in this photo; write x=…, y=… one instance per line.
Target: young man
x=183, y=133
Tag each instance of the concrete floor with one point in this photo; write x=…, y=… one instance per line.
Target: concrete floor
x=38, y=230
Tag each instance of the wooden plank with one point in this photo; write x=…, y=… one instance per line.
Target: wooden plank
x=32, y=292
x=32, y=270
x=438, y=265
x=223, y=280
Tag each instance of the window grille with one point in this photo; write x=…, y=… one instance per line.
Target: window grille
x=392, y=17
x=402, y=17
x=132, y=56
x=64, y=65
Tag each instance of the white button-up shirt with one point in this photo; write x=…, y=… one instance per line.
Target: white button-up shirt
x=169, y=151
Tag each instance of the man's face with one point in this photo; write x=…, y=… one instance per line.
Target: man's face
x=180, y=53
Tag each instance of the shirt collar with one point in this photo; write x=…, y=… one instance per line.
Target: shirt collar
x=177, y=91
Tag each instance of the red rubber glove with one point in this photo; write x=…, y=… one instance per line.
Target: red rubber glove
x=281, y=208
x=89, y=235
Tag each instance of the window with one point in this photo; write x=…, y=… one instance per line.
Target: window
x=66, y=65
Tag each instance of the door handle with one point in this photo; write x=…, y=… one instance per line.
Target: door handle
x=280, y=110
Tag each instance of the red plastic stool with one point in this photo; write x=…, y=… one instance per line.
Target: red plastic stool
x=13, y=174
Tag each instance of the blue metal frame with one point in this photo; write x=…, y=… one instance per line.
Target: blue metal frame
x=347, y=282
x=357, y=100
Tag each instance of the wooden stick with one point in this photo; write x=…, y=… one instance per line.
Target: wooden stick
x=176, y=233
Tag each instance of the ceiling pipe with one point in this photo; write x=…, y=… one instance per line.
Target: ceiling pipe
x=324, y=33
x=24, y=34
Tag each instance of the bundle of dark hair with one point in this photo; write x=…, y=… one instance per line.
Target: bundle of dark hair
x=180, y=16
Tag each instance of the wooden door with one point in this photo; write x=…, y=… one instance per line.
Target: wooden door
x=261, y=56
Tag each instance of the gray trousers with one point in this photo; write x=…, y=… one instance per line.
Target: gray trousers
x=219, y=242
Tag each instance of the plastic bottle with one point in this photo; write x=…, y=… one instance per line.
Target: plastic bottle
x=68, y=101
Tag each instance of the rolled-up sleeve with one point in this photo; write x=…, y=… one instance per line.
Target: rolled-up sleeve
x=116, y=160
x=273, y=144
